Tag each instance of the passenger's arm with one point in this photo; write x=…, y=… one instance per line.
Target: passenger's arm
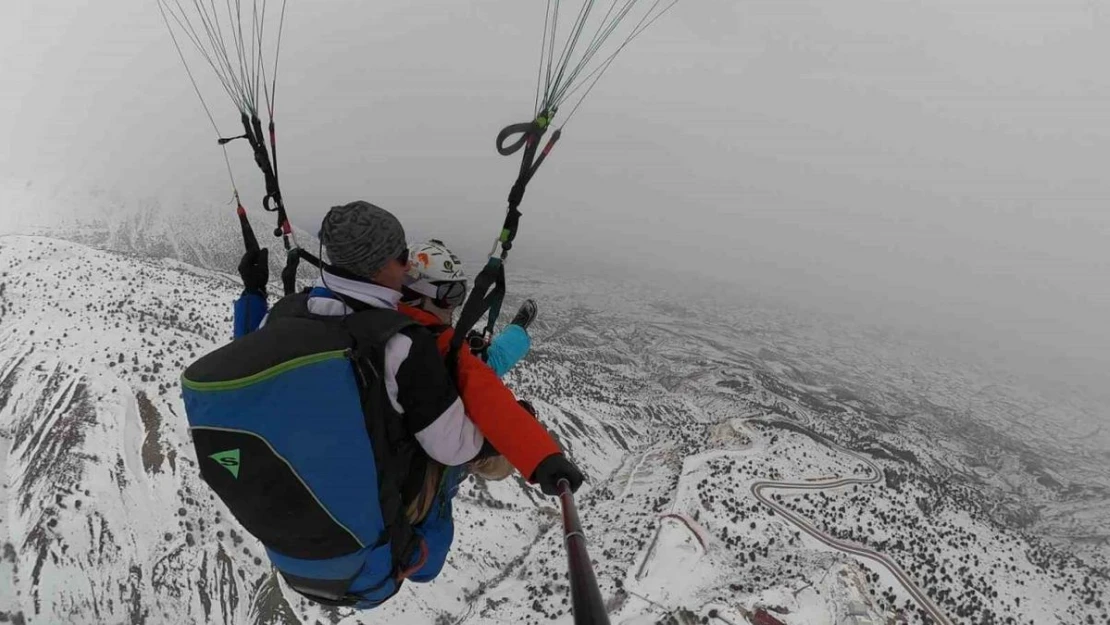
x=251, y=307
x=507, y=426
x=250, y=310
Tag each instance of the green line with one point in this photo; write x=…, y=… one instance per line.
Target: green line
x=294, y=471
x=230, y=385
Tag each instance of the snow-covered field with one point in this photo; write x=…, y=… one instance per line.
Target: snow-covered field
x=676, y=408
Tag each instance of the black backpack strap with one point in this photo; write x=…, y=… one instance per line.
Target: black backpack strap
x=375, y=326
x=394, y=447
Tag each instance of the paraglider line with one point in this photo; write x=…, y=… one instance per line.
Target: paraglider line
x=568, y=47
x=601, y=69
x=543, y=47
x=190, y=31
x=277, y=53
x=200, y=97
x=598, y=38
x=604, y=31
x=551, y=48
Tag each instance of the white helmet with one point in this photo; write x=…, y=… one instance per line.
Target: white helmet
x=437, y=273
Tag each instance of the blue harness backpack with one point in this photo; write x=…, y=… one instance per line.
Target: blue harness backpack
x=294, y=431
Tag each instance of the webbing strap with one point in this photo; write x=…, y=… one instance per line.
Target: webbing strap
x=292, y=263
x=488, y=292
x=272, y=201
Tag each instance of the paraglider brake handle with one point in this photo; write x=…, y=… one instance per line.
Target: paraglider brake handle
x=528, y=131
x=525, y=130
x=266, y=205
x=478, y=342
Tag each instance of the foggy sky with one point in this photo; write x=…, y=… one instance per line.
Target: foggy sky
x=936, y=163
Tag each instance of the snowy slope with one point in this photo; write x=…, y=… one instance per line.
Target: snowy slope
x=104, y=517
x=106, y=522
x=676, y=409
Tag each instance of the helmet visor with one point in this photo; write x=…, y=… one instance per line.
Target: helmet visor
x=446, y=293
x=450, y=293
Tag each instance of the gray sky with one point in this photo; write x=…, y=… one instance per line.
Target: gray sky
x=937, y=163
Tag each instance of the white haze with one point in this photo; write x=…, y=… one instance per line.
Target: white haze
x=938, y=166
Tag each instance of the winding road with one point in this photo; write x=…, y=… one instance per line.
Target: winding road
x=803, y=524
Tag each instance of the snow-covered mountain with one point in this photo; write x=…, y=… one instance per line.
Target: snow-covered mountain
x=197, y=233
x=744, y=465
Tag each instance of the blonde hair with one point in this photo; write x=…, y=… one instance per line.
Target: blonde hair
x=418, y=508
x=492, y=468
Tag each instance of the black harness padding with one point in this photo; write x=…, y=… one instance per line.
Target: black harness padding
x=331, y=592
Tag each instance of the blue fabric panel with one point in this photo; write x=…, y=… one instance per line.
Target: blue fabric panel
x=250, y=309
x=438, y=531
x=438, y=528
x=343, y=567
x=373, y=567
x=312, y=417
x=508, y=348
x=377, y=567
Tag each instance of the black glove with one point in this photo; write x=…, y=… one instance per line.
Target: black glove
x=478, y=343
x=254, y=269
x=554, y=468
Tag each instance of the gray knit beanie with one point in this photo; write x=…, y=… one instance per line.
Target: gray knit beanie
x=361, y=238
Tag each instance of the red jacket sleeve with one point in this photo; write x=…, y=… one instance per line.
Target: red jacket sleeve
x=493, y=408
